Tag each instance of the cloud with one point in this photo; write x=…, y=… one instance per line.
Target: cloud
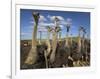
x=53, y=17
x=63, y=22
x=42, y=18
x=31, y=22
x=60, y=18
x=42, y=24
x=46, y=24
x=62, y=26
x=69, y=21
x=43, y=29
x=24, y=33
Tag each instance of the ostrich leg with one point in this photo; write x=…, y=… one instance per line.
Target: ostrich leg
x=46, y=60
x=48, y=44
x=32, y=56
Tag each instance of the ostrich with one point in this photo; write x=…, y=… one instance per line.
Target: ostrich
x=87, y=47
x=83, y=44
x=47, y=51
x=68, y=29
x=55, y=31
x=32, y=56
x=79, y=49
x=49, y=29
x=68, y=25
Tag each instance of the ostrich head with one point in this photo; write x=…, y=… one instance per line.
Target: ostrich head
x=69, y=23
x=49, y=28
x=36, y=16
x=56, y=20
x=82, y=30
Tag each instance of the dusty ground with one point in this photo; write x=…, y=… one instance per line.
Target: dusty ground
x=61, y=59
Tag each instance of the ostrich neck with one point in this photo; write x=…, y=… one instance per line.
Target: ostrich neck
x=48, y=37
x=54, y=41
x=34, y=35
x=67, y=37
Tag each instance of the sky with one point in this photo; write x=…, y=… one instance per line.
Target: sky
x=76, y=19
